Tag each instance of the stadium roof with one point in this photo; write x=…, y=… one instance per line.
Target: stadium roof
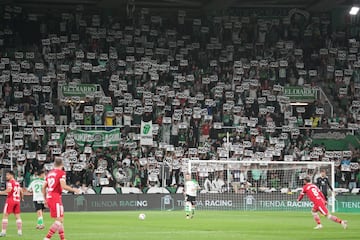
x=312, y=5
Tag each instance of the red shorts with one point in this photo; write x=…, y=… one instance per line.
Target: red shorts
x=13, y=207
x=320, y=208
x=56, y=208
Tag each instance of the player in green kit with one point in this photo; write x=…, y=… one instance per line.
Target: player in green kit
x=35, y=188
x=190, y=190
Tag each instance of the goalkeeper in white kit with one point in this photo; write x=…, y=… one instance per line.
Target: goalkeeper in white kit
x=190, y=190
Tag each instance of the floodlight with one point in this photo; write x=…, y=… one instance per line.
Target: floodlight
x=354, y=10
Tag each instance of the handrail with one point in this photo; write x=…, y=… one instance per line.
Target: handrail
x=328, y=101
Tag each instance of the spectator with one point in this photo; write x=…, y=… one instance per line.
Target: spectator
x=195, y=86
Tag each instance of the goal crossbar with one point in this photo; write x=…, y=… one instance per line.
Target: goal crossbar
x=330, y=165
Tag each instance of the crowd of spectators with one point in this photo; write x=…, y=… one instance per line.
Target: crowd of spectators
x=202, y=81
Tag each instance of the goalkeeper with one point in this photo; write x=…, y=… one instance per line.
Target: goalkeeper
x=190, y=190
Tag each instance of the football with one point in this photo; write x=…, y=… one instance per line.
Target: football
x=142, y=216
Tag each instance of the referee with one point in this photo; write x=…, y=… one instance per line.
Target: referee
x=323, y=183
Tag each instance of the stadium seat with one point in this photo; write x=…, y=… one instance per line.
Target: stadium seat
x=172, y=189
x=90, y=191
x=284, y=190
x=127, y=190
x=180, y=190
x=296, y=190
x=342, y=190
x=97, y=190
x=157, y=190
x=269, y=190
x=355, y=190
x=108, y=190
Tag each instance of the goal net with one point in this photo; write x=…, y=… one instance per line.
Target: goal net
x=256, y=185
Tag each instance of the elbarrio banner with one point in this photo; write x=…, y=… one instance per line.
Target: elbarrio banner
x=146, y=133
x=79, y=90
x=98, y=138
x=300, y=93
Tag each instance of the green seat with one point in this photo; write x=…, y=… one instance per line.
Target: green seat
x=97, y=190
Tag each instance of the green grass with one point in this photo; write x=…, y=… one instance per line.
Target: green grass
x=206, y=225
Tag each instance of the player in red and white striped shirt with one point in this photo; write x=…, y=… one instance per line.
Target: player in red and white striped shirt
x=318, y=199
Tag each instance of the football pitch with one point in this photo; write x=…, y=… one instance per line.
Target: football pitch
x=206, y=225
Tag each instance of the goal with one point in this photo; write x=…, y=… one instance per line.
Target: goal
x=256, y=185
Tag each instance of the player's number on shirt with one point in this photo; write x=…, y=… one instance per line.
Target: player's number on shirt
x=16, y=194
x=51, y=183
x=316, y=193
x=37, y=188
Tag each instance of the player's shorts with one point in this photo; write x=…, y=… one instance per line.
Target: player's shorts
x=39, y=205
x=191, y=199
x=320, y=208
x=56, y=208
x=10, y=208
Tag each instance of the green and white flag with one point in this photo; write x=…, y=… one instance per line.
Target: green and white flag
x=99, y=138
x=146, y=133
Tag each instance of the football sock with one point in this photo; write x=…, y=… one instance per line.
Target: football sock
x=334, y=218
x=61, y=232
x=19, y=224
x=40, y=221
x=53, y=229
x=316, y=218
x=4, y=225
x=187, y=208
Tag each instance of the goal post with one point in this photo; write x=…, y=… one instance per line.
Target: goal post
x=256, y=185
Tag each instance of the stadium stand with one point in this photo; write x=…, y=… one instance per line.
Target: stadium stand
x=81, y=85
